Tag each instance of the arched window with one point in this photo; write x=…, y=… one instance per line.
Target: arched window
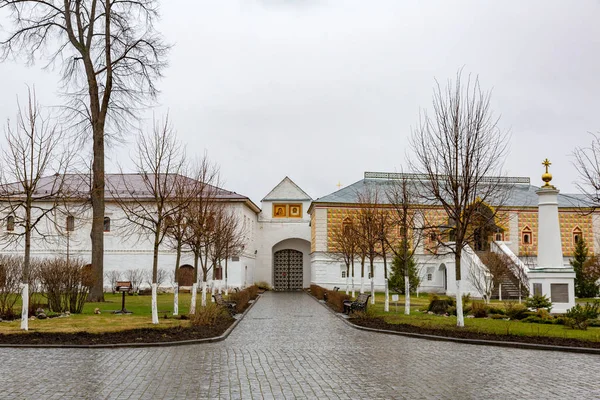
x=577, y=235
x=527, y=235
x=70, y=223
x=106, y=224
x=347, y=226
x=499, y=237
x=10, y=223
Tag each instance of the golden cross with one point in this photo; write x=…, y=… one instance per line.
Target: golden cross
x=339, y=185
x=546, y=163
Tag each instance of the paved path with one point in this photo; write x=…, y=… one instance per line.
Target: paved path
x=290, y=346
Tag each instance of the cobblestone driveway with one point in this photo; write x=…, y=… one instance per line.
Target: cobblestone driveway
x=289, y=346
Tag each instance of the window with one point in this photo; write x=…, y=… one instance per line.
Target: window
x=537, y=289
x=343, y=274
x=433, y=236
x=577, y=235
x=347, y=226
x=429, y=277
x=527, y=236
x=369, y=277
x=70, y=223
x=10, y=223
x=559, y=292
x=235, y=258
x=499, y=237
x=106, y=224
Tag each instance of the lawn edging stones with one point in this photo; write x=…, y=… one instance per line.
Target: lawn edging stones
x=464, y=340
x=160, y=331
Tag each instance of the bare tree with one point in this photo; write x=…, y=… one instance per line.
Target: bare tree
x=136, y=277
x=459, y=149
x=344, y=247
x=161, y=277
x=367, y=230
x=587, y=162
x=402, y=195
x=32, y=175
x=112, y=277
x=229, y=239
x=99, y=45
x=199, y=218
x=186, y=192
x=149, y=204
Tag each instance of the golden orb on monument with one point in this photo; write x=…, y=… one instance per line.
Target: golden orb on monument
x=547, y=176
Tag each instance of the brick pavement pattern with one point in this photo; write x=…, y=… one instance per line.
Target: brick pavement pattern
x=290, y=347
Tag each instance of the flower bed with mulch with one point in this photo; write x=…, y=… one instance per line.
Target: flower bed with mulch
x=379, y=323
x=142, y=335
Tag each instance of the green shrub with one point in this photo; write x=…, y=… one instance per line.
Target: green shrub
x=496, y=310
x=336, y=300
x=451, y=311
x=368, y=314
x=242, y=298
x=253, y=291
x=516, y=310
x=440, y=306
x=538, y=301
x=497, y=316
x=209, y=315
x=466, y=298
x=579, y=317
x=479, y=310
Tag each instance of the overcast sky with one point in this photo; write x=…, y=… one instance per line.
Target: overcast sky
x=322, y=91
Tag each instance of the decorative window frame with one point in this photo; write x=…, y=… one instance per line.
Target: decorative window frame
x=576, y=234
x=527, y=232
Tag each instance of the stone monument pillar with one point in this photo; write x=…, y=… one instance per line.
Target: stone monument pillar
x=551, y=277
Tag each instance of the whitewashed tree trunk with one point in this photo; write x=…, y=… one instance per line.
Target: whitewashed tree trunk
x=193, y=303
x=213, y=290
x=154, y=306
x=226, y=288
x=386, y=306
x=500, y=291
x=372, y=290
x=460, y=318
x=25, y=308
x=176, y=300
x=347, y=284
x=406, y=296
x=353, y=290
x=362, y=284
x=519, y=292
x=203, y=302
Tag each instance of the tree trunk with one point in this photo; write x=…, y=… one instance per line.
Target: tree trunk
x=386, y=306
x=372, y=283
x=176, y=288
x=97, y=235
x=25, y=307
x=406, y=296
x=193, y=302
x=460, y=318
x=26, y=268
x=154, y=306
x=362, y=276
x=353, y=289
x=203, y=303
x=154, y=276
x=348, y=278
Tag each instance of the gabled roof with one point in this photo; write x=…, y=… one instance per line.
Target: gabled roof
x=521, y=192
x=287, y=190
x=116, y=185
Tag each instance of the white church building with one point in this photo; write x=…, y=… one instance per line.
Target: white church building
x=288, y=239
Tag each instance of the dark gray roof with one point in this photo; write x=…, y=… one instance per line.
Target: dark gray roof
x=520, y=193
x=116, y=185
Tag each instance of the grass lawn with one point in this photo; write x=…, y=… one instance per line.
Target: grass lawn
x=108, y=322
x=478, y=325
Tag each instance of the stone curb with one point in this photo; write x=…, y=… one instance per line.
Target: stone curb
x=121, y=345
x=481, y=342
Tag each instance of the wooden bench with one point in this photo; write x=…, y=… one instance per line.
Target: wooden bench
x=360, y=304
x=230, y=305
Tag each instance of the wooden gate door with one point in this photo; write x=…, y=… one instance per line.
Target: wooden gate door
x=288, y=268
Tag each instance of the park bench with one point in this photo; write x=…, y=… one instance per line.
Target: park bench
x=229, y=305
x=335, y=289
x=360, y=304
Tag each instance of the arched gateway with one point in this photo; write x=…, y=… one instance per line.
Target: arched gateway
x=287, y=269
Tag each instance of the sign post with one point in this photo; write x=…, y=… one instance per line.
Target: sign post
x=395, y=298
